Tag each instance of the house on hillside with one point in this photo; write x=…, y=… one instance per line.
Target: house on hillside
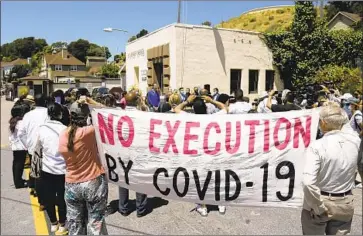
x=94, y=65
x=62, y=66
x=343, y=21
x=6, y=67
x=182, y=55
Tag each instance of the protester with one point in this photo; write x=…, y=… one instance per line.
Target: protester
x=53, y=168
x=215, y=94
x=288, y=100
x=356, y=120
x=182, y=94
x=240, y=106
x=153, y=98
x=200, y=108
x=18, y=148
x=28, y=134
x=262, y=105
x=329, y=176
x=187, y=93
x=135, y=102
x=86, y=187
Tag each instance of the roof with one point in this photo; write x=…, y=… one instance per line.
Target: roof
x=181, y=25
x=96, y=58
x=32, y=77
x=67, y=59
x=353, y=17
x=18, y=61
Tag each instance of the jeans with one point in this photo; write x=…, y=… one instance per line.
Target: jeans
x=123, y=205
x=54, y=184
x=18, y=168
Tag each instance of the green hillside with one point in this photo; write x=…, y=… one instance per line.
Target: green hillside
x=266, y=20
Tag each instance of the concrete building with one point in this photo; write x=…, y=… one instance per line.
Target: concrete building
x=181, y=55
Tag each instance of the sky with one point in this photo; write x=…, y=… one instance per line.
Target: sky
x=71, y=20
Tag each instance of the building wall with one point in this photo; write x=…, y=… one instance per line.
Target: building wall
x=340, y=23
x=202, y=55
x=206, y=56
x=134, y=57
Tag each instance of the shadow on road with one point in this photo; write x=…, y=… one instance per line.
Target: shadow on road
x=153, y=203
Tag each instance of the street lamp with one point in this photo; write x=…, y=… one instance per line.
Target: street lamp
x=109, y=30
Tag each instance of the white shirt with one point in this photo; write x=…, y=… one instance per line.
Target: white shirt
x=28, y=132
x=219, y=112
x=53, y=162
x=211, y=109
x=356, y=120
x=331, y=164
x=262, y=108
x=239, y=108
x=15, y=143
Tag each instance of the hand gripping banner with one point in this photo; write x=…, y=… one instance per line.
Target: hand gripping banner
x=242, y=160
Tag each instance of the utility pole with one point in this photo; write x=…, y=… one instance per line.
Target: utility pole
x=179, y=9
x=321, y=9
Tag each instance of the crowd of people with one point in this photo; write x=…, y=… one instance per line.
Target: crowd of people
x=56, y=132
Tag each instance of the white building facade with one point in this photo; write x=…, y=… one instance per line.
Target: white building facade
x=188, y=56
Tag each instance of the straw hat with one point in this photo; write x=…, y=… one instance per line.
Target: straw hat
x=29, y=98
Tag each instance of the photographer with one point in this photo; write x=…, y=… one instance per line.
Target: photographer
x=287, y=106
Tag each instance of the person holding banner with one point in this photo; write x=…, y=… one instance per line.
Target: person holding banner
x=328, y=177
x=86, y=187
x=200, y=107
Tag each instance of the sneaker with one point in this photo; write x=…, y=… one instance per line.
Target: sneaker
x=203, y=211
x=62, y=230
x=222, y=210
x=54, y=228
x=359, y=186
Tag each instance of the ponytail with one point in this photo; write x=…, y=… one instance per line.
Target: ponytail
x=76, y=122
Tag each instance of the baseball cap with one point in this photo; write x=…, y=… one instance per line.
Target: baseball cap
x=81, y=109
x=346, y=96
x=353, y=100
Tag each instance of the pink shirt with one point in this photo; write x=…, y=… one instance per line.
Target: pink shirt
x=83, y=164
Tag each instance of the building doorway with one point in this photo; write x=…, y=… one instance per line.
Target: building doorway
x=158, y=68
x=137, y=75
x=235, y=80
x=38, y=89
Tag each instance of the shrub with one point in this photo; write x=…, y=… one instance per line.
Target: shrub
x=346, y=79
x=253, y=19
x=266, y=23
x=245, y=24
x=271, y=17
x=280, y=11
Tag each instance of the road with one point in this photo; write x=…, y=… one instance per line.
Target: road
x=20, y=214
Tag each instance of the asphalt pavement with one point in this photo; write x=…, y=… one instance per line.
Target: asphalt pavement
x=20, y=213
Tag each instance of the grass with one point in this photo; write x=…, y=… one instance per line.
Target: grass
x=262, y=21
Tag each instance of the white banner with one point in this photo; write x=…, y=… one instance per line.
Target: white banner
x=251, y=160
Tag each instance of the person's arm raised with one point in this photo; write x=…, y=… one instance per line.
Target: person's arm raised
x=181, y=106
x=219, y=105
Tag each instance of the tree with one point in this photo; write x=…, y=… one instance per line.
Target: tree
x=110, y=70
x=299, y=53
x=132, y=38
x=142, y=32
x=120, y=57
x=98, y=51
x=207, y=23
x=346, y=79
x=59, y=45
x=19, y=71
x=79, y=49
x=333, y=7
x=23, y=47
